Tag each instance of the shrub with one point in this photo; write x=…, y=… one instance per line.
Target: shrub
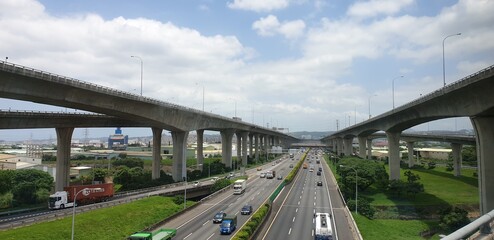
x=449, y=167
x=453, y=219
x=178, y=199
x=220, y=184
x=364, y=207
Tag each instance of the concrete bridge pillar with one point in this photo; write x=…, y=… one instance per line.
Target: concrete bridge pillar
x=200, y=148
x=239, y=149
x=484, y=130
x=456, y=152
x=156, y=164
x=256, y=137
x=348, y=146
x=361, y=147
x=411, y=160
x=179, y=167
x=394, y=154
x=245, y=136
x=266, y=143
x=226, y=147
x=369, y=148
x=251, y=145
x=64, y=137
x=339, y=146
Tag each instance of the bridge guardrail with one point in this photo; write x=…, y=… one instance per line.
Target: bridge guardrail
x=31, y=72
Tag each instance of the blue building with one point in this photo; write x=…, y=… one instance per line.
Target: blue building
x=118, y=141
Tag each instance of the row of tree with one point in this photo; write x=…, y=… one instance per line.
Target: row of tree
x=25, y=186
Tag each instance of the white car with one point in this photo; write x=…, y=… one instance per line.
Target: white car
x=262, y=175
x=196, y=184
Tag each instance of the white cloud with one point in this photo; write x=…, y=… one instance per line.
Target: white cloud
x=373, y=8
x=269, y=26
x=258, y=5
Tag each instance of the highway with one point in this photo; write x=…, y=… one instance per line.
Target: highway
x=295, y=217
x=198, y=224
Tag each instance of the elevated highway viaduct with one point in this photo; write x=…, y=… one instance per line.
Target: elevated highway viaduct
x=468, y=97
x=26, y=84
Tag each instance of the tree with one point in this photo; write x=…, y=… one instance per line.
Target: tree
x=453, y=219
x=31, y=185
x=6, y=180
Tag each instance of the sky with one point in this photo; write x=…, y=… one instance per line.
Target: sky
x=296, y=64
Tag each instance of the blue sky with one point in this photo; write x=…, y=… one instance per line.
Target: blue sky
x=298, y=64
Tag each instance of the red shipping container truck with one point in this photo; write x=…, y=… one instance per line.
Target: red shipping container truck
x=85, y=194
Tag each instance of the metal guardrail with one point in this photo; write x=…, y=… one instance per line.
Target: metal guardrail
x=472, y=227
x=31, y=72
x=488, y=71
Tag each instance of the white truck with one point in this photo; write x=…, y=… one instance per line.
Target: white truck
x=239, y=186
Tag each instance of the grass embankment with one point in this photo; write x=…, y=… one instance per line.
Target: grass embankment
x=441, y=189
x=109, y=223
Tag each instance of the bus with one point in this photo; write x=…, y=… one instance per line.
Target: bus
x=323, y=230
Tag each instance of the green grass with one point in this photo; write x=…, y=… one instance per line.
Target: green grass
x=440, y=187
x=382, y=229
x=109, y=223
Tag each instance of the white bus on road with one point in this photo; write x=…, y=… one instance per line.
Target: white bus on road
x=323, y=230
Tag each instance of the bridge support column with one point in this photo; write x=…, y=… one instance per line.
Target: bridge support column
x=266, y=143
x=394, y=155
x=411, y=160
x=179, y=167
x=156, y=164
x=339, y=146
x=256, y=137
x=361, y=147
x=456, y=147
x=239, y=150
x=64, y=137
x=200, y=148
x=369, y=149
x=245, y=136
x=251, y=145
x=226, y=147
x=348, y=146
x=484, y=130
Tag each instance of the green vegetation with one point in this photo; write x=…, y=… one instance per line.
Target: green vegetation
x=378, y=229
x=24, y=187
x=108, y=223
x=438, y=203
x=254, y=222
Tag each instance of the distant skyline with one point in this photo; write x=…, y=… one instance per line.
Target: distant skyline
x=296, y=64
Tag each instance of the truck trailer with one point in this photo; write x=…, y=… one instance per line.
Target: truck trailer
x=161, y=234
x=229, y=224
x=92, y=193
x=239, y=186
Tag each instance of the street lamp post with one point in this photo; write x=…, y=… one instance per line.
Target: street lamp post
x=356, y=186
x=393, y=89
x=370, y=104
x=85, y=191
x=444, y=71
x=141, y=68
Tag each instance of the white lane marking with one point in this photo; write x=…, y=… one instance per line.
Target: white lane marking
x=298, y=202
x=312, y=232
x=314, y=204
x=237, y=212
x=210, y=237
x=205, y=223
x=293, y=220
x=289, y=231
x=296, y=210
x=187, y=235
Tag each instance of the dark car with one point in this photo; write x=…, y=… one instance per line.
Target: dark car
x=279, y=177
x=320, y=169
x=319, y=173
x=319, y=183
x=219, y=217
x=246, y=210
x=291, y=165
